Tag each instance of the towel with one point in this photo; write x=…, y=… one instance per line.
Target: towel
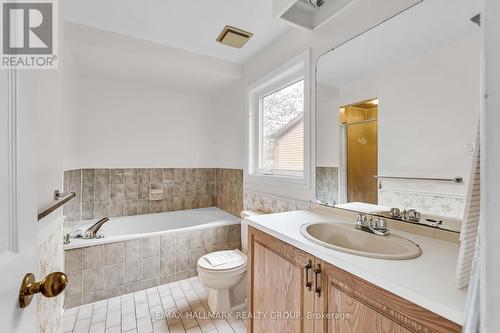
x=222, y=257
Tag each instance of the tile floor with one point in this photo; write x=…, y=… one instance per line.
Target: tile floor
x=178, y=307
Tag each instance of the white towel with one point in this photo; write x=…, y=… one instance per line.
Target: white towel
x=223, y=257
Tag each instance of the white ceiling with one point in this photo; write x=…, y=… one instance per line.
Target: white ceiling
x=187, y=25
x=426, y=26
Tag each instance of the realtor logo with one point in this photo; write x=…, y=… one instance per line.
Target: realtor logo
x=29, y=34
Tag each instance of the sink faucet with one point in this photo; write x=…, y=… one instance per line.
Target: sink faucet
x=92, y=231
x=379, y=227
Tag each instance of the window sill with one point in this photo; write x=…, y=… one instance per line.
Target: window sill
x=273, y=179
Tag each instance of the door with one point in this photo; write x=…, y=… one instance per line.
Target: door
x=281, y=287
x=362, y=162
x=18, y=204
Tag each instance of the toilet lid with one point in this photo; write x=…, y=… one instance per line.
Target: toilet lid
x=222, y=260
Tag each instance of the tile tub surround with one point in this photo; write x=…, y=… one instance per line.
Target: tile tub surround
x=105, y=271
x=327, y=184
x=125, y=192
x=229, y=190
x=265, y=203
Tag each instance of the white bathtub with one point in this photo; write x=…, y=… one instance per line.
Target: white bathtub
x=144, y=251
x=149, y=225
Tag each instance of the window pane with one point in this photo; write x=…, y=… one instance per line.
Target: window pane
x=283, y=129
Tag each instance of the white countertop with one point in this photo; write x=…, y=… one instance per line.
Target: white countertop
x=427, y=281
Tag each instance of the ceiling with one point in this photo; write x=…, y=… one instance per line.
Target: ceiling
x=424, y=27
x=187, y=25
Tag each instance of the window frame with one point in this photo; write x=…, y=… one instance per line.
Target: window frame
x=293, y=71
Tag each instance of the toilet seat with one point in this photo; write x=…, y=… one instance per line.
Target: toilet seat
x=239, y=264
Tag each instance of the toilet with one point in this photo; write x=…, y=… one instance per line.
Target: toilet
x=224, y=274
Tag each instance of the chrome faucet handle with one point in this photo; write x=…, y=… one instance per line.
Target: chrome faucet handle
x=360, y=219
x=381, y=224
x=395, y=212
x=412, y=215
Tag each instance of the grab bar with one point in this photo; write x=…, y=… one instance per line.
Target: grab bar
x=59, y=200
x=458, y=180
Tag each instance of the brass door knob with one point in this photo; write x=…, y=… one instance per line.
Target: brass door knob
x=51, y=286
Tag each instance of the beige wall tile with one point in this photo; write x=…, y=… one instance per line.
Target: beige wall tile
x=93, y=280
x=133, y=271
x=117, y=192
x=182, y=261
x=73, y=260
x=101, y=193
x=114, y=292
x=211, y=236
x=151, y=247
x=167, y=244
x=167, y=265
x=143, y=176
x=133, y=250
x=143, y=207
x=116, y=176
x=196, y=239
x=101, y=176
x=113, y=276
x=223, y=233
x=181, y=241
x=114, y=253
x=151, y=268
x=150, y=283
x=116, y=209
x=132, y=287
x=93, y=297
x=93, y=257
x=75, y=285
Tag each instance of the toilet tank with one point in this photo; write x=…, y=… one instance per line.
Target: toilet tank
x=244, y=228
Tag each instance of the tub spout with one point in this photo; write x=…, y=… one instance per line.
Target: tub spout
x=92, y=231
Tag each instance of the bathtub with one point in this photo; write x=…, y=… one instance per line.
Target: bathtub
x=143, y=251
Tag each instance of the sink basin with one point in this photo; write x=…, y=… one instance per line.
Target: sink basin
x=344, y=237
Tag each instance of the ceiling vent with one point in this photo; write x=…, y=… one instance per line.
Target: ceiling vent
x=234, y=37
x=309, y=14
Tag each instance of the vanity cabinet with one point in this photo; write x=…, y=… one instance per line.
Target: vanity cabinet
x=290, y=290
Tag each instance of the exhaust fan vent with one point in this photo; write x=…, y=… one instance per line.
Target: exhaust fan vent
x=234, y=37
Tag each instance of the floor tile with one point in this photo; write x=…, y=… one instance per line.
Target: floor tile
x=177, y=307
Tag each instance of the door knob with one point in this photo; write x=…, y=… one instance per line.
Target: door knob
x=51, y=286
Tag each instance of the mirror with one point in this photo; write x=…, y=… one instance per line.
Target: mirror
x=397, y=110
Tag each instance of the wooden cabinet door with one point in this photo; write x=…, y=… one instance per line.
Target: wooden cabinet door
x=279, y=298
x=353, y=305
x=362, y=319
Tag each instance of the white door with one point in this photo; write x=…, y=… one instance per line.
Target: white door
x=18, y=204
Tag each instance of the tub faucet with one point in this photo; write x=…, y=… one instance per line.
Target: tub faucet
x=92, y=231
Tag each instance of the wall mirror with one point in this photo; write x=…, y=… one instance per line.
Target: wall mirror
x=397, y=110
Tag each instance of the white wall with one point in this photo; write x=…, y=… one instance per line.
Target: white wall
x=490, y=175
x=427, y=118
x=122, y=124
x=132, y=103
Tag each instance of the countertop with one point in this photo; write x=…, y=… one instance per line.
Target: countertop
x=427, y=281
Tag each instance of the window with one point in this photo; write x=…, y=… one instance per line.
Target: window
x=279, y=124
x=282, y=148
